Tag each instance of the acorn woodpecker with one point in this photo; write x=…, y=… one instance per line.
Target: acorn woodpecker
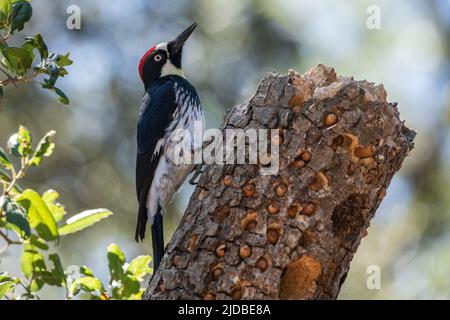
x=169, y=103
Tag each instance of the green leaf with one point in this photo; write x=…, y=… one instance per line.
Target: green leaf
x=39, y=215
x=116, y=260
x=21, y=13
x=7, y=283
x=43, y=149
x=62, y=96
x=19, y=144
x=37, y=242
x=36, y=285
x=15, y=216
x=5, y=287
x=4, y=276
x=63, y=60
x=86, y=271
x=4, y=159
x=83, y=220
x=53, y=71
x=17, y=59
x=74, y=288
x=5, y=10
x=37, y=42
x=137, y=296
x=140, y=267
x=88, y=284
x=32, y=261
x=24, y=138
x=56, y=276
x=5, y=6
x=130, y=286
x=58, y=211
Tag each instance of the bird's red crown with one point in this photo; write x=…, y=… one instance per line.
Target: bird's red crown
x=141, y=63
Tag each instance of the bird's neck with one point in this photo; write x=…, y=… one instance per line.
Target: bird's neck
x=154, y=83
x=169, y=69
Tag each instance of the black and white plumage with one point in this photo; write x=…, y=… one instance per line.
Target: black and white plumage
x=170, y=102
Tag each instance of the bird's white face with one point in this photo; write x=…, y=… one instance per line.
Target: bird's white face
x=168, y=68
x=164, y=59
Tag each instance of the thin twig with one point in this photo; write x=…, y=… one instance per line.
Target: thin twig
x=8, y=240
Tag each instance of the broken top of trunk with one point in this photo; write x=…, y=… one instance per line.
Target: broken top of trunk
x=292, y=235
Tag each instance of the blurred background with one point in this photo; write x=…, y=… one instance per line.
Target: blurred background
x=236, y=43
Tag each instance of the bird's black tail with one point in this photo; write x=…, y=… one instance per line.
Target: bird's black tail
x=141, y=222
x=157, y=239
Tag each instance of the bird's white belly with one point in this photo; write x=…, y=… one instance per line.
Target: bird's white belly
x=169, y=175
x=167, y=180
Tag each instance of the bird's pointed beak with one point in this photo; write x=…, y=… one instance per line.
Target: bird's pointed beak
x=182, y=37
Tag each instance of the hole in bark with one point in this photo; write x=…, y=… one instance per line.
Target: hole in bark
x=299, y=279
x=220, y=214
x=347, y=219
x=307, y=239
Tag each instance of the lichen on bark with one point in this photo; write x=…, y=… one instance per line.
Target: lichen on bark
x=290, y=235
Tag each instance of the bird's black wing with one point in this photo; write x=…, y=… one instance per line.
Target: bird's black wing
x=155, y=115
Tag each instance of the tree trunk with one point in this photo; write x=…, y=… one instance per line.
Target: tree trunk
x=292, y=235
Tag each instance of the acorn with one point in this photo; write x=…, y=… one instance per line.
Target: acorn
x=262, y=264
x=245, y=251
x=365, y=152
x=192, y=243
x=276, y=181
x=295, y=101
x=251, y=225
x=216, y=273
x=308, y=209
x=382, y=193
x=330, y=119
x=209, y=296
x=273, y=235
x=236, y=294
x=320, y=182
x=280, y=191
x=306, y=156
x=249, y=221
x=220, y=250
x=228, y=180
x=249, y=190
x=298, y=163
x=176, y=260
x=293, y=210
x=273, y=208
x=337, y=142
x=367, y=162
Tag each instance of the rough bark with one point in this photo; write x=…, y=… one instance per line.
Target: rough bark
x=295, y=235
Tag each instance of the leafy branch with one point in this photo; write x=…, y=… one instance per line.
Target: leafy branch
x=33, y=220
x=19, y=64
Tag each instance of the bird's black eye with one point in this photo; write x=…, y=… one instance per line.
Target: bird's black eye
x=158, y=57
